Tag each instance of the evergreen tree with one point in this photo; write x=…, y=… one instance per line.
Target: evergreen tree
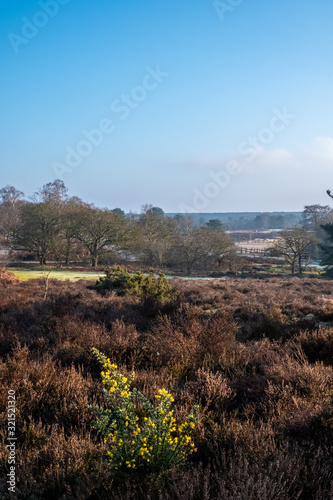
x=327, y=249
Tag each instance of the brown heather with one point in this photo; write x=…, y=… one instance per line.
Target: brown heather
x=7, y=277
x=255, y=354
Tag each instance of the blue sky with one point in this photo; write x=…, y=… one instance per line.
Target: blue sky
x=188, y=95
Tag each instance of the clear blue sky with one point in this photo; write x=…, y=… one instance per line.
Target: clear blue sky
x=221, y=77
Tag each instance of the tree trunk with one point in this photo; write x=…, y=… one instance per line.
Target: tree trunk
x=300, y=268
x=94, y=261
x=67, y=252
x=293, y=267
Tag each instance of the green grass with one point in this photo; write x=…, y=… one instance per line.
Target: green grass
x=59, y=274
x=25, y=274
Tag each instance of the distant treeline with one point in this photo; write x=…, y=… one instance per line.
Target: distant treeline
x=249, y=220
x=53, y=227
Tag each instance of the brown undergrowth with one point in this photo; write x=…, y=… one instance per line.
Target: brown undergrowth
x=255, y=355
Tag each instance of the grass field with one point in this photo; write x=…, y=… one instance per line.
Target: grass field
x=257, y=243
x=59, y=274
x=63, y=275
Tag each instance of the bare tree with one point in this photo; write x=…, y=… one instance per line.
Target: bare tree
x=200, y=246
x=314, y=216
x=40, y=227
x=98, y=230
x=11, y=201
x=156, y=234
x=292, y=246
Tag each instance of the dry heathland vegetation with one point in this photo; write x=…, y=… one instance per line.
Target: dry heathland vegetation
x=256, y=355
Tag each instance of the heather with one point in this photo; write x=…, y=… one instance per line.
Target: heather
x=254, y=355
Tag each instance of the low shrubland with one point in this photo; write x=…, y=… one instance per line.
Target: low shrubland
x=255, y=357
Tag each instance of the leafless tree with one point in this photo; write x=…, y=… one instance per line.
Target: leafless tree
x=292, y=246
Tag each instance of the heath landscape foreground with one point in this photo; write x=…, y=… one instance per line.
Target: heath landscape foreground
x=253, y=356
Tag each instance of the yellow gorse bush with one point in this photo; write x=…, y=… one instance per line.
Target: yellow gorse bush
x=137, y=433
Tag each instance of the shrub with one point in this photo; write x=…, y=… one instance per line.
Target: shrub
x=7, y=277
x=317, y=345
x=212, y=389
x=137, y=433
x=145, y=287
x=187, y=340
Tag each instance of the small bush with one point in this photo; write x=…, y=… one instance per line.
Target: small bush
x=146, y=288
x=137, y=433
x=7, y=277
x=318, y=345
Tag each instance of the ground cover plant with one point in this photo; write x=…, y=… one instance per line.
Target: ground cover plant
x=255, y=355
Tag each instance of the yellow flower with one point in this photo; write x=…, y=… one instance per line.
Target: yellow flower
x=124, y=379
x=112, y=389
